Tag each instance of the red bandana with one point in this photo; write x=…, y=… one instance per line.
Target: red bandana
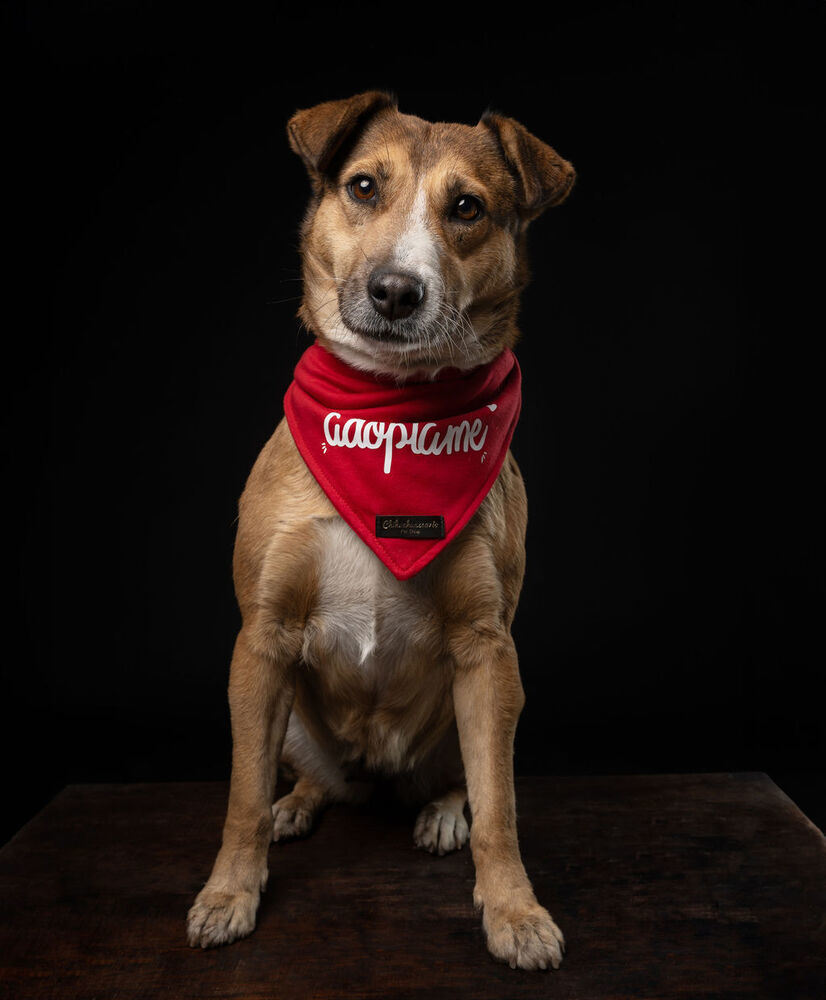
x=405, y=466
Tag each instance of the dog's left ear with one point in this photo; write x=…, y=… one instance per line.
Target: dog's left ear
x=318, y=133
x=543, y=178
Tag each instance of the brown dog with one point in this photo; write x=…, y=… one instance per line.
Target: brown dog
x=413, y=261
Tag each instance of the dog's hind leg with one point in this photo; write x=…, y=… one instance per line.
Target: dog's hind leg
x=441, y=826
x=439, y=781
x=294, y=814
x=319, y=781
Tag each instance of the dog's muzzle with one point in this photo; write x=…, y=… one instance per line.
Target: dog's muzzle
x=393, y=306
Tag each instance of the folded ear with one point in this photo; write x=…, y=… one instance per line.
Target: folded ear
x=543, y=178
x=318, y=133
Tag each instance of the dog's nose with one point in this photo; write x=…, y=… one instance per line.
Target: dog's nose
x=394, y=295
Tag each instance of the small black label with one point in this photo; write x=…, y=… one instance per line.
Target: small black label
x=410, y=526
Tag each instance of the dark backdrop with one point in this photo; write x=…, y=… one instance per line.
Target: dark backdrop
x=671, y=617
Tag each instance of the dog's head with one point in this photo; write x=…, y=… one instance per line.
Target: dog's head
x=413, y=245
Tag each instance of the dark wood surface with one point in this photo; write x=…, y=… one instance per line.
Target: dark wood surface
x=704, y=886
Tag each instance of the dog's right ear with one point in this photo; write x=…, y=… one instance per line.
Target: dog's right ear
x=318, y=133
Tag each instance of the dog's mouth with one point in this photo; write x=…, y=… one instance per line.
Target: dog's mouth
x=434, y=332
x=404, y=345
x=390, y=334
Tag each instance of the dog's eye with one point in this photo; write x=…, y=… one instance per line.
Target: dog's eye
x=363, y=188
x=467, y=208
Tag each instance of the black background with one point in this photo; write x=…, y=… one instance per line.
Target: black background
x=672, y=613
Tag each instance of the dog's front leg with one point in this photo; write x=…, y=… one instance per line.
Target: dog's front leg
x=261, y=691
x=488, y=698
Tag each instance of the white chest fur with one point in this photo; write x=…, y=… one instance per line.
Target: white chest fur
x=372, y=646
x=345, y=621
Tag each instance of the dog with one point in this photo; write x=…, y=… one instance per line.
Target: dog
x=390, y=654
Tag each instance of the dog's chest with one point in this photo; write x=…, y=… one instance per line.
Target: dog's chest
x=366, y=624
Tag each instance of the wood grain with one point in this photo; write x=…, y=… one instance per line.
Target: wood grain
x=689, y=886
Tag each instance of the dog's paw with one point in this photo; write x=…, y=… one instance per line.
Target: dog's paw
x=293, y=816
x=525, y=938
x=220, y=917
x=440, y=828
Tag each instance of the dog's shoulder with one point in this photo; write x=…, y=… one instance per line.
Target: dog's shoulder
x=277, y=514
x=280, y=487
x=503, y=516
x=480, y=574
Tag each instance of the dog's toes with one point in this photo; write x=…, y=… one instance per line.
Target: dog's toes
x=220, y=917
x=440, y=829
x=525, y=939
x=292, y=817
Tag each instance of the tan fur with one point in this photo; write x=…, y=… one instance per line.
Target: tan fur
x=341, y=672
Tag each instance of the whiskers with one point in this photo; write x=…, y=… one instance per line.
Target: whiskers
x=455, y=328
x=447, y=335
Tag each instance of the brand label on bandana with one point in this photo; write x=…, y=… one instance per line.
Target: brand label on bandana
x=375, y=446
x=409, y=526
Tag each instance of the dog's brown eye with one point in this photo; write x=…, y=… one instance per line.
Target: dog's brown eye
x=467, y=208
x=363, y=188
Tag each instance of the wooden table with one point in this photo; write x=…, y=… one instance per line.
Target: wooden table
x=702, y=886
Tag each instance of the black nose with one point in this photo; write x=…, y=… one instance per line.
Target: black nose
x=394, y=295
